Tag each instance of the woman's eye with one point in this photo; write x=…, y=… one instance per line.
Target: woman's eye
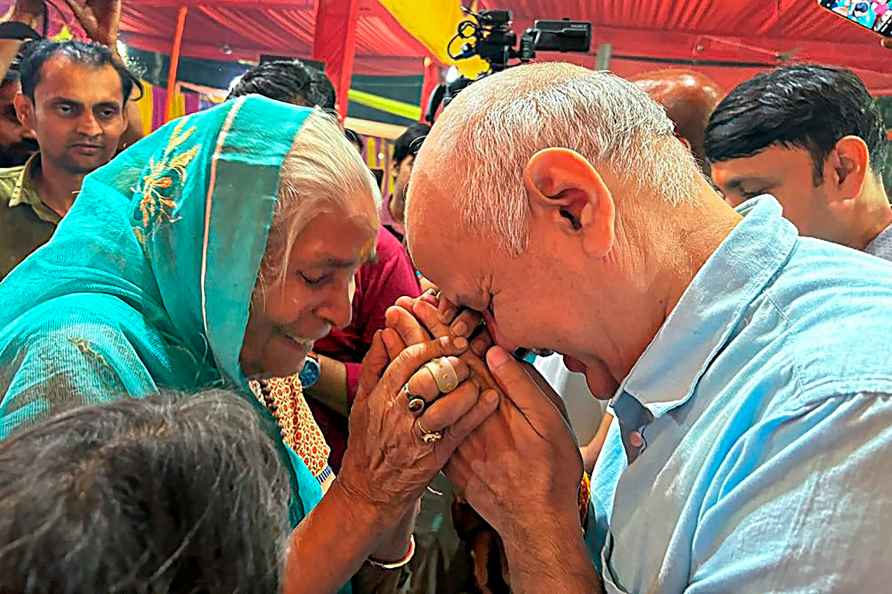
x=312, y=281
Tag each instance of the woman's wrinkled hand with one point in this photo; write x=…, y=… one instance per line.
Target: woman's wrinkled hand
x=388, y=463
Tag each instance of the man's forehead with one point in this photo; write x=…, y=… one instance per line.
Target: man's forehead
x=60, y=76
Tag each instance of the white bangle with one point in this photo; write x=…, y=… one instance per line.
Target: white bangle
x=402, y=562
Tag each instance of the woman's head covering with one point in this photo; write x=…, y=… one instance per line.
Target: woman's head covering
x=147, y=282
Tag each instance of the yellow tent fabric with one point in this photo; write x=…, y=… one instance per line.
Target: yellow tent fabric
x=146, y=106
x=177, y=106
x=434, y=23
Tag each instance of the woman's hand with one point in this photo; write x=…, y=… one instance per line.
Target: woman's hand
x=389, y=462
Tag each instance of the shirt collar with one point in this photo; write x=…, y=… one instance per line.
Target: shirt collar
x=24, y=192
x=666, y=374
x=881, y=245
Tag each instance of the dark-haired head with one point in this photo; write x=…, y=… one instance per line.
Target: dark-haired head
x=172, y=494
x=404, y=150
x=289, y=81
x=408, y=143
x=355, y=139
x=76, y=52
x=810, y=135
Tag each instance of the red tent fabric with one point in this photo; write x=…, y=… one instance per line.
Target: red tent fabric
x=728, y=39
x=245, y=29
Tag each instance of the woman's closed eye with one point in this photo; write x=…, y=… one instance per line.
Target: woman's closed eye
x=317, y=280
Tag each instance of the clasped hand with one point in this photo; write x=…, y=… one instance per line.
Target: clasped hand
x=521, y=466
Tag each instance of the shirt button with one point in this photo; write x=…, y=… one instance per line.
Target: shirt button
x=635, y=439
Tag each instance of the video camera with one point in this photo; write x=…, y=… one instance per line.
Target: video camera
x=496, y=43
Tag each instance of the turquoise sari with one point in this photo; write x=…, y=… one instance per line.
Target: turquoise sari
x=148, y=280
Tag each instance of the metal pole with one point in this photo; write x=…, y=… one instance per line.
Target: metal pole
x=602, y=58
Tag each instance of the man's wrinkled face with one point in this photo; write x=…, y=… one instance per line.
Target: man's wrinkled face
x=17, y=143
x=528, y=301
x=788, y=175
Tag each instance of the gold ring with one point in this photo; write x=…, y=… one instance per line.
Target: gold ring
x=444, y=374
x=429, y=436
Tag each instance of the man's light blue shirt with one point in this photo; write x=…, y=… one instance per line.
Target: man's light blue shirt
x=765, y=408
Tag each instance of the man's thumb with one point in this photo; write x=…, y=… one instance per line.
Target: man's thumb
x=512, y=379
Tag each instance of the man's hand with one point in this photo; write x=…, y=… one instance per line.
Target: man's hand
x=29, y=12
x=100, y=20
x=493, y=467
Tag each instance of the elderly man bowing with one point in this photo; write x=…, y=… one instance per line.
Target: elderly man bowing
x=753, y=413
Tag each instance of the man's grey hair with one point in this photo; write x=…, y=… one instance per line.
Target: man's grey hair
x=484, y=139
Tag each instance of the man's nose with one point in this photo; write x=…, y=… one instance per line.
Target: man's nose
x=88, y=125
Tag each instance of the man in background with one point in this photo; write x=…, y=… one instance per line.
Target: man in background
x=22, y=22
x=73, y=97
x=688, y=98
x=17, y=143
x=812, y=137
x=404, y=149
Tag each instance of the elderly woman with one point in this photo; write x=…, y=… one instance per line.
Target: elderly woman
x=214, y=253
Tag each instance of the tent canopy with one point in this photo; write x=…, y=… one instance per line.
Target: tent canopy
x=728, y=39
x=247, y=29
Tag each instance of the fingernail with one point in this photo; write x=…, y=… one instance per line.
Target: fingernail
x=460, y=329
x=490, y=397
x=496, y=357
x=460, y=342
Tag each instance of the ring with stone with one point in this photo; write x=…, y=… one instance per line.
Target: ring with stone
x=429, y=436
x=444, y=374
x=416, y=403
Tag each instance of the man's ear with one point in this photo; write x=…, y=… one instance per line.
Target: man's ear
x=565, y=189
x=24, y=109
x=847, y=165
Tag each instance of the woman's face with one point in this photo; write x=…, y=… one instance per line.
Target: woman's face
x=314, y=295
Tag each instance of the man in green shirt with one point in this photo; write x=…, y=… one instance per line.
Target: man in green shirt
x=73, y=97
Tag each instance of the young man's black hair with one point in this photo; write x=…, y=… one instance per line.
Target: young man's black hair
x=806, y=106
x=79, y=52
